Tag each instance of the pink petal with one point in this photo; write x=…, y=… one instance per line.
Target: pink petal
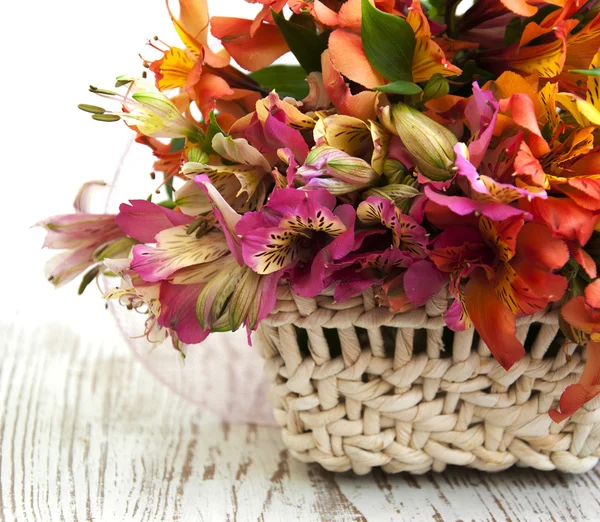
x=143, y=220
x=501, y=192
x=456, y=317
x=227, y=217
x=278, y=135
x=79, y=230
x=178, y=311
x=311, y=283
x=464, y=206
x=423, y=281
x=481, y=113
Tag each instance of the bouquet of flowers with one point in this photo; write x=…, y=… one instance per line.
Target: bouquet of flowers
x=414, y=149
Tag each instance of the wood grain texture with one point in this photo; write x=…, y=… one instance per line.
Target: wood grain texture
x=87, y=434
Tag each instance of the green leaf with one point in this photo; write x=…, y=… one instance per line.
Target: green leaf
x=177, y=144
x=167, y=204
x=211, y=131
x=389, y=43
x=399, y=87
x=587, y=72
x=287, y=80
x=305, y=45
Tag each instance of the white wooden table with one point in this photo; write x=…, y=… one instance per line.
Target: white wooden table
x=87, y=434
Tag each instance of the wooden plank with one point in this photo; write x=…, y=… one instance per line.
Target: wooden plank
x=87, y=434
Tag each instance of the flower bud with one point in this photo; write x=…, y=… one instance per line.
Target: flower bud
x=351, y=170
x=430, y=143
x=436, y=87
x=394, y=170
x=401, y=195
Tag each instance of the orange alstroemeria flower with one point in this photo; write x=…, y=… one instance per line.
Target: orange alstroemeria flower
x=569, y=222
x=581, y=49
x=253, y=46
x=206, y=77
x=583, y=314
x=348, y=56
x=361, y=105
x=494, y=14
x=545, y=59
x=567, y=164
x=510, y=269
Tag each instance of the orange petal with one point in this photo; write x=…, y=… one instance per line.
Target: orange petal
x=348, y=57
x=207, y=90
x=520, y=7
x=582, y=47
x=219, y=59
x=443, y=217
x=173, y=69
x=522, y=111
x=495, y=323
x=536, y=244
x=350, y=16
x=502, y=235
x=192, y=24
x=585, y=390
x=588, y=165
x=528, y=167
x=584, y=191
x=265, y=14
x=584, y=259
x=592, y=294
x=325, y=15
x=547, y=60
x=361, y=105
x=564, y=218
x=428, y=58
x=252, y=53
x=509, y=83
x=237, y=109
x=578, y=314
x=526, y=289
x=193, y=17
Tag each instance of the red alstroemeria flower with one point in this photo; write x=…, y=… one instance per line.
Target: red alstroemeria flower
x=510, y=269
x=583, y=314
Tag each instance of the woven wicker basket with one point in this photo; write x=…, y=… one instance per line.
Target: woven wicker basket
x=355, y=387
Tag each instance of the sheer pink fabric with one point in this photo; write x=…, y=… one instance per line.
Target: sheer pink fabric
x=223, y=374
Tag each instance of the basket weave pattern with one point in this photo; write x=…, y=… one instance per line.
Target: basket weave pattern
x=418, y=408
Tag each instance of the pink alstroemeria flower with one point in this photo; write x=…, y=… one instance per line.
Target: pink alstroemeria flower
x=338, y=172
x=407, y=234
x=300, y=233
x=275, y=125
x=143, y=220
x=487, y=196
x=490, y=192
x=236, y=295
x=86, y=238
